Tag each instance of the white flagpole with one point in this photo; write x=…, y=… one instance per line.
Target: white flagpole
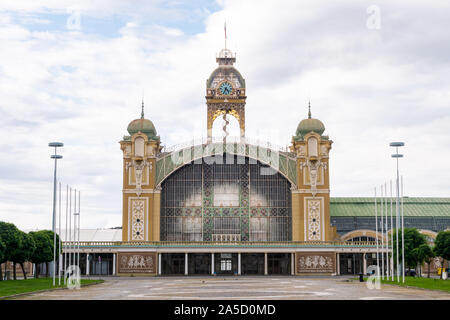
x=70, y=227
x=59, y=237
x=376, y=233
x=392, y=239
x=65, y=233
x=74, y=226
x=403, y=236
x=387, y=236
x=382, y=235
x=79, y=222
x=74, y=217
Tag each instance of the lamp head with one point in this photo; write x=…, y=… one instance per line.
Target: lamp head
x=56, y=144
x=397, y=156
x=56, y=156
x=396, y=144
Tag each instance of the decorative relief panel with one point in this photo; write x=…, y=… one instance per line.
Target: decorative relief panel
x=314, y=219
x=137, y=219
x=141, y=172
x=313, y=173
x=315, y=262
x=137, y=262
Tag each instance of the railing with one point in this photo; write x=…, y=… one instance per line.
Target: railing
x=162, y=244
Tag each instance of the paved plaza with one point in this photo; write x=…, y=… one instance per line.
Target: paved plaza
x=258, y=288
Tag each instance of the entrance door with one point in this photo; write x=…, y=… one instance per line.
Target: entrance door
x=172, y=263
x=279, y=263
x=225, y=263
x=199, y=263
x=252, y=263
x=351, y=263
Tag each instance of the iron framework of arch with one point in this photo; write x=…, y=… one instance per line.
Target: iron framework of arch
x=227, y=198
x=169, y=162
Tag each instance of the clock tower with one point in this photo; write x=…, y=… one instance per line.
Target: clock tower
x=225, y=92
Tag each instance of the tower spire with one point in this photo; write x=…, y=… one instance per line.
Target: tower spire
x=142, y=112
x=309, y=109
x=225, y=30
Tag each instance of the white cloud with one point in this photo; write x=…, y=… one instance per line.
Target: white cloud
x=369, y=87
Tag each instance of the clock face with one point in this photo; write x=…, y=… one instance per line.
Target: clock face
x=225, y=88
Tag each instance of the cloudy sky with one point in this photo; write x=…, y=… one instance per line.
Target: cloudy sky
x=75, y=71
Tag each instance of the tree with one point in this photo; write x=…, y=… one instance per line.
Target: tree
x=23, y=252
x=442, y=246
x=2, y=254
x=50, y=234
x=10, y=238
x=425, y=254
x=413, y=240
x=44, y=249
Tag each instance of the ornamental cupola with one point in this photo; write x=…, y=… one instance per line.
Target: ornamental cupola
x=309, y=125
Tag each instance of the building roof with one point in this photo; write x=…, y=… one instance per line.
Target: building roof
x=412, y=207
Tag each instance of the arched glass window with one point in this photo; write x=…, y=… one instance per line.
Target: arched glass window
x=362, y=238
x=222, y=201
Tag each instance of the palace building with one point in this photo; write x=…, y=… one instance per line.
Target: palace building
x=236, y=206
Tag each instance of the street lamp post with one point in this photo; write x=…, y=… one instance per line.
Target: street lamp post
x=397, y=156
x=56, y=157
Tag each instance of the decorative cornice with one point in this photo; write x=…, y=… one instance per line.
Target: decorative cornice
x=143, y=191
x=318, y=191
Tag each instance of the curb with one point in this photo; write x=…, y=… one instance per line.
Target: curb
x=45, y=290
x=412, y=287
x=409, y=287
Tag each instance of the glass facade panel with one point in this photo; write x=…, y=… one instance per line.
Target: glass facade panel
x=101, y=264
x=252, y=263
x=279, y=263
x=347, y=224
x=232, y=199
x=172, y=263
x=199, y=263
x=351, y=263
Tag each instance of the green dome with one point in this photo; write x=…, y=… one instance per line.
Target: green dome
x=143, y=125
x=307, y=125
